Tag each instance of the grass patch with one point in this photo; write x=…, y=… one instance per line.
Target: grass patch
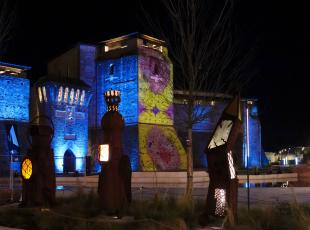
x=82, y=211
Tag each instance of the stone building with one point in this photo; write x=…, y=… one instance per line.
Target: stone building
x=14, y=114
x=71, y=95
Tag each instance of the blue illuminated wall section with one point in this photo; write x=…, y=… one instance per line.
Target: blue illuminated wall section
x=70, y=122
x=14, y=110
x=120, y=74
x=257, y=156
x=202, y=130
x=14, y=98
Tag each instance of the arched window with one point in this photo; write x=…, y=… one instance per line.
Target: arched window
x=82, y=98
x=111, y=69
x=71, y=96
x=60, y=92
x=155, y=69
x=77, y=95
x=40, y=94
x=66, y=94
x=44, y=93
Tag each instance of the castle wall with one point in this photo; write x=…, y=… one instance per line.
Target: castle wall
x=14, y=111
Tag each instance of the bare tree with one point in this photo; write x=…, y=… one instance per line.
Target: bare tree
x=206, y=57
x=7, y=16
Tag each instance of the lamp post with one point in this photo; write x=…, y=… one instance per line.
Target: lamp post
x=248, y=151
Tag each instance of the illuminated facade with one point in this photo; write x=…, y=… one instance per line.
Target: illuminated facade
x=139, y=67
x=14, y=114
x=252, y=136
x=65, y=102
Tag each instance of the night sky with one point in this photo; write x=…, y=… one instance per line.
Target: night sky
x=44, y=29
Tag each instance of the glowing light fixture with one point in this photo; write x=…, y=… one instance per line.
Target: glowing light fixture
x=247, y=137
x=231, y=165
x=104, y=153
x=26, y=169
x=220, y=196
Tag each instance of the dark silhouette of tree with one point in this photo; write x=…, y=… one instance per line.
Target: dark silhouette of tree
x=206, y=54
x=7, y=16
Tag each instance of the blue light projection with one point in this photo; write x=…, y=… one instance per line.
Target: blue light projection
x=14, y=98
x=69, y=114
x=123, y=77
x=256, y=154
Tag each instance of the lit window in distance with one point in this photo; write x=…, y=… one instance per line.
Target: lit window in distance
x=71, y=96
x=60, y=92
x=82, y=98
x=66, y=94
x=40, y=94
x=220, y=197
x=26, y=169
x=44, y=93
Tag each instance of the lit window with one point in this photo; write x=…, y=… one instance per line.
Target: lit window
x=71, y=96
x=66, y=94
x=44, y=93
x=104, y=153
x=106, y=48
x=82, y=97
x=77, y=95
x=59, y=94
x=40, y=94
x=212, y=103
x=231, y=165
x=220, y=197
x=111, y=69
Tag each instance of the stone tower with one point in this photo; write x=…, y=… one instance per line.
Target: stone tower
x=65, y=101
x=139, y=67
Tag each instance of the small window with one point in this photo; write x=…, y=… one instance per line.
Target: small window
x=71, y=96
x=111, y=69
x=60, y=92
x=77, y=95
x=66, y=94
x=40, y=94
x=44, y=93
x=155, y=69
x=82, y=98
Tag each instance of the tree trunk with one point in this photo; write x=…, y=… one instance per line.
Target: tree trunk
x=189, y=185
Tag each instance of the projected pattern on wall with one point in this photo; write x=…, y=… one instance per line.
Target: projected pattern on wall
x=155, y=88
x=160, y=148
x=14, y=98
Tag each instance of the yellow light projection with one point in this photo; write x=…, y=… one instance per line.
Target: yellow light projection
x=26, y=169
x=160, y=148
x=155, y=88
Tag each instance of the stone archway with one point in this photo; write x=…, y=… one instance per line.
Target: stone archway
x=69, y=162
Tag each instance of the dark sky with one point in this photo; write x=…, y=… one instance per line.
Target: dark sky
x=44, y=29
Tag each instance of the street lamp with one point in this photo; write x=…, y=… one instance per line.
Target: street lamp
x=249, y=103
